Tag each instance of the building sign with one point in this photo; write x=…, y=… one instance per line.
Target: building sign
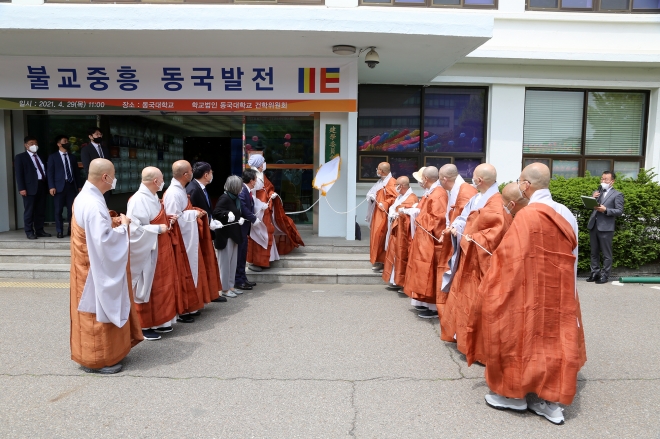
x=332, y=141
x=183, y=84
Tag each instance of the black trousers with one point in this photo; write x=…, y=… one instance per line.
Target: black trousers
x=601, y=242
x=241, y=277
x=63, y=200
x=34, y=213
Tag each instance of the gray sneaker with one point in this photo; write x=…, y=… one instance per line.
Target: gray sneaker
x=108, y=370
x=551, y=411
x=503, y=403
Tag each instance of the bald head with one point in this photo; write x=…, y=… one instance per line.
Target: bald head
x=448, y=174
x=101, y=174
x=182, y=172
x=151, y=173
x=431, y=173
x=403, y=184
x=484, y=176
x=513, y=198
x=383, y=169
x=537, y=174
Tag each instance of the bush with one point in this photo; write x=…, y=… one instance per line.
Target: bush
x=637, y=235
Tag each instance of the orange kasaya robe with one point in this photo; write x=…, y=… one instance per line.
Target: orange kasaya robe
x=424, y=270
x=291, y=238
x=465, y=193
x=487, y=226
x=396, y=256
x=256, y=254
x=529, y=314
x=95, y=344
x=187, y=299
x=161, y=307
x=208, y=273
x=378, y=226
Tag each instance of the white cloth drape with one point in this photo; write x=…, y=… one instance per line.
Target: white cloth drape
x=175, y=201
x=380, y=184
x=392, y=214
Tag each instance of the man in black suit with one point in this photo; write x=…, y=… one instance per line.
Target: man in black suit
x=601, y=227
x=247, y=212
x=63, y=181
x=32, y=184
x=94, y=150
x=196, y=189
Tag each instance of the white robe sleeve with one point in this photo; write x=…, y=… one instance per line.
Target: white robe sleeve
x=144, y=248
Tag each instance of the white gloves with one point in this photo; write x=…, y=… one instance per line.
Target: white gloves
x=215, y=225
x=258, y=221
x=264, y=207
x=371, y=197
x=272, y=197
x=241, y=221
x=381, y=205
x=231, y=217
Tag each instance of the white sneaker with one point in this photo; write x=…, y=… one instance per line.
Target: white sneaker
x=501, y=402
x=237, y=291
x=551, y=411
x=228, y=294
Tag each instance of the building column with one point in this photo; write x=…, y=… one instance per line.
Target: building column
x=7, y=212
x=351, y=174
x=18, y=133
x=332, y=224
x=653, y=137
x=506, y=111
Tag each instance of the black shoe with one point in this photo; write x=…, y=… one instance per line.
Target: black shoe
x=593, y=278
x=421, y=308
x=150, y=334
x=164, y=329
x=43, y=235
x=602, y=280
x=108, y=370
x=219, y=299
x=393, y=287
x=195, y=314
x=428, y=314
x=185, y=319
x=60, y=235
x=255, y=268
x=244, y=287
x=31, y=236
x=252, y=284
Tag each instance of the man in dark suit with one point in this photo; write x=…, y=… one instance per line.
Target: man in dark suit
x=196, y=189
x=94, y=150
x=247, y=212
x=32, y=184
x=63, y=181
x=601, y=227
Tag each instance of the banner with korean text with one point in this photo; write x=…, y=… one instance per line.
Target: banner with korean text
x=179, y=84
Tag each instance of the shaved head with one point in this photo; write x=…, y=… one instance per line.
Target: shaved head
x=486, y=172
x=384, y=168
x=180, y=167
x=151, y=173
x=449, y=171
x=537, y=174
x=513, y=198
x=431, y=173
x=403, y=181
x=98, y=167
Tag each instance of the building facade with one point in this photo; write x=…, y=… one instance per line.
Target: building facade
x=572, y=83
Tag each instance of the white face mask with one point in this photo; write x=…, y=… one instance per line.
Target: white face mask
x=114, y=183
x=162, y=185
x=506, y=208
x=605, y=186
x=210, y=179
x=34, y=148
x=264, y=169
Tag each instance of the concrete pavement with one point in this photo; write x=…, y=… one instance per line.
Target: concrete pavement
x=313, y=361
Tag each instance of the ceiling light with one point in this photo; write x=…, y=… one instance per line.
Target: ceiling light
x=343, y=50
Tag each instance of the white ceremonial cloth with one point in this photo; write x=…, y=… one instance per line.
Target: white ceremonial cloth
x=327, y=175
x=142, y=208
x=392, y=214
x=453, y=195
x=174, y=201
x=259, y=232
x=106, y=288
x=380, y=184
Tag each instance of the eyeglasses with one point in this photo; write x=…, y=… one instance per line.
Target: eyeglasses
x=518, y=181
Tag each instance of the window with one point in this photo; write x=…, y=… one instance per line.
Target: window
x=624, y=6
x=574, y=131
x=412, y=126
x=482, y=4
x=238, y=2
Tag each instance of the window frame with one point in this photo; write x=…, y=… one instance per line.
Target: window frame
x=596, y=7
x=421, y=155
x=429, y=4
x=582, y=158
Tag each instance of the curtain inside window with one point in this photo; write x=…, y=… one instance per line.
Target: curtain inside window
x=553, y=122
x=615, y=123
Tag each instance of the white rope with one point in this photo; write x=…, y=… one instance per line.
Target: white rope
x=348, y=211
x=459, y=233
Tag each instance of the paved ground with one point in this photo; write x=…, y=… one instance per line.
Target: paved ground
x=314, y=361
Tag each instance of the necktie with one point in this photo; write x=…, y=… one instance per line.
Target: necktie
x=206, y=194
x=100, y=151
x=39, y=168
x=67, y=169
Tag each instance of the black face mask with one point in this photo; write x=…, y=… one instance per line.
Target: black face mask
x=66, y=146
x=97, y=140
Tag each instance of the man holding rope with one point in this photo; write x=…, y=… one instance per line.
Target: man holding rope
x=381, y=196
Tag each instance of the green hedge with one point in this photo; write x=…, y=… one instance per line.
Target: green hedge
x=637, y=235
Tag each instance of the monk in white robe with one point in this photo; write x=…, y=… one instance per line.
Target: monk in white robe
x=104, y=325
x=153, y=268
x=176, y=202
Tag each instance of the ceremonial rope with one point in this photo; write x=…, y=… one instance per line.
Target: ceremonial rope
x=459, y=233
x=343, y=213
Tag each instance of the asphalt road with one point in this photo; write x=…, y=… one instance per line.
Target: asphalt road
x=314, y=361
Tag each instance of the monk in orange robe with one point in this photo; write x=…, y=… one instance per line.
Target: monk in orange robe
x=381, y=196
x=209, y=273
x=460, y=193
x=104, y=325
x=530, y=312
x=397, y=239
x=477, y=231
x=187, y=300
x=286, y=235
x=424, y=270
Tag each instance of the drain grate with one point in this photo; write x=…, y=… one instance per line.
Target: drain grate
x=34, y=284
